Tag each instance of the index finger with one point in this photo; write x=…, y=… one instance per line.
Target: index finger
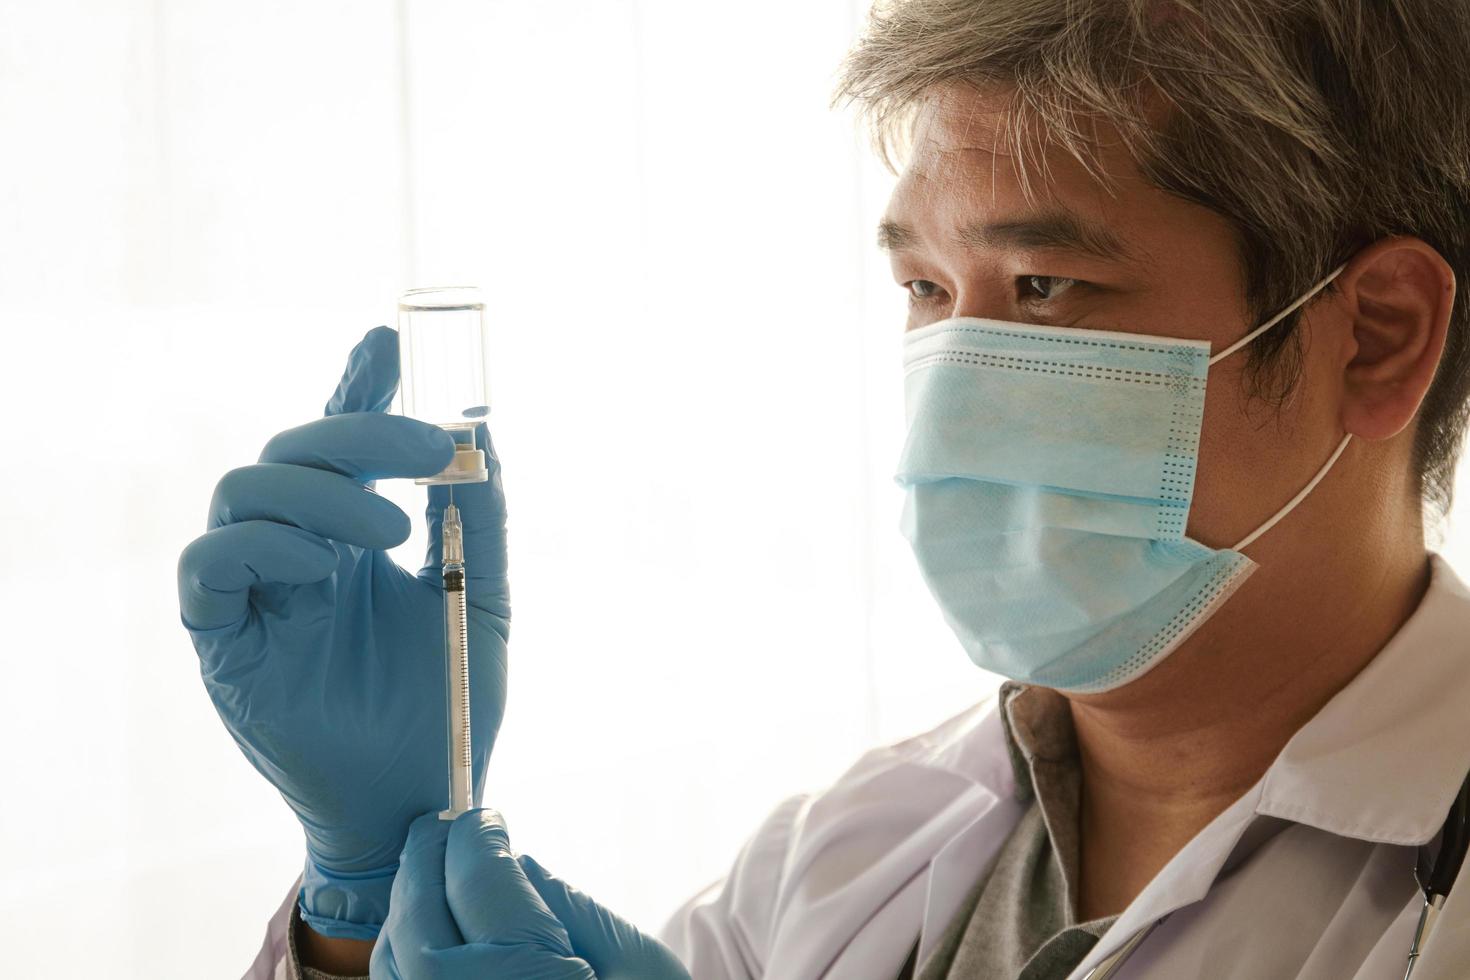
x=615, y=949
x=419, y=921
x=364, y=445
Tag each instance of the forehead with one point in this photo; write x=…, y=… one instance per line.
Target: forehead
x=967, y=138
x=963, y=168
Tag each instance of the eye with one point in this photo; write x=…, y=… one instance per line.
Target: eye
x=921, y=289
x=1047, y=288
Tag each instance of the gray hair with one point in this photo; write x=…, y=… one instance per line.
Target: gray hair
x=1316, y=127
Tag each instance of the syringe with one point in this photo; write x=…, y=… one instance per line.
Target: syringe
x=457, y=667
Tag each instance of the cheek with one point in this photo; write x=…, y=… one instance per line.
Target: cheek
x=1255, y=454
x=1223, y=494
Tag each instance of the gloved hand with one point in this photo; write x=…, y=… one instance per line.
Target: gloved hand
x=324, y=658
x=465, y=908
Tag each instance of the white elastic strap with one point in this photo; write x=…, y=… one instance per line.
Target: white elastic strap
x=1277, y=318
x=1291, y=504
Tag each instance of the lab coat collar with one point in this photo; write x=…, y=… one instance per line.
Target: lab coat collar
x=1383, y=760
x=1380, y=762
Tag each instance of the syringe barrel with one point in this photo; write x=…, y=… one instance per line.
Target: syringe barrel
x=457, y=691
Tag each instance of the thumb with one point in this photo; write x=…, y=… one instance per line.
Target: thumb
x=615, y=949
x=489, y=895
x=371, y=377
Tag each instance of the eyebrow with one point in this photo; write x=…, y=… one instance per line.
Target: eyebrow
x=1057, y=230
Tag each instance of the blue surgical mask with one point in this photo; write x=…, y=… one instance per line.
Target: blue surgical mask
x=1048, y=475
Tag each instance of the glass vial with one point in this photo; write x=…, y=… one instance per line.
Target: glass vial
x=442, y=371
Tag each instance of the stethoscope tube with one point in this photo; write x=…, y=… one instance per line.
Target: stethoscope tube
x=1435, y=880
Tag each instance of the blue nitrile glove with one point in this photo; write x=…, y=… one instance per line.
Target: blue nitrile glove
x=465, y=908
x=324, y=658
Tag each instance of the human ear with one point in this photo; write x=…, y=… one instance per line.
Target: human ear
x=1399, y=293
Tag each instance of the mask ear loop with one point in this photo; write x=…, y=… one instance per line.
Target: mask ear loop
x=1312, y=484
x=1214, y=359
x=1291, y=504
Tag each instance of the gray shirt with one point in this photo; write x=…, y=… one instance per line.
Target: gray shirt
x=1019, y=922
x=294, y=969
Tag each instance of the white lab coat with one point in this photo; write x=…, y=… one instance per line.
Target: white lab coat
x=1308, y=875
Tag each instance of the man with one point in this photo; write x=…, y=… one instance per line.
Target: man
x=1185, y=367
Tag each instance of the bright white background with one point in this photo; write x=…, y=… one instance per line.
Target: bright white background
x=203, y=205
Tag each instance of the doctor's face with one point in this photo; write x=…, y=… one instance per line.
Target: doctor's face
x=964, y=241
